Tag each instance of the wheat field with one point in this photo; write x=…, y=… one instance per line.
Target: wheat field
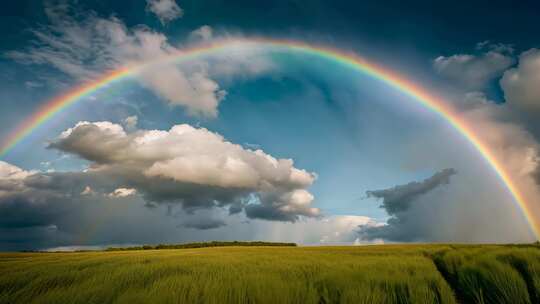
x=364, y=274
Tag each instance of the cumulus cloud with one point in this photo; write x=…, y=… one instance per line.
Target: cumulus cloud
x=194, y=167
x=510, y=131
x=342, y=228
x=43, y=210
x=165, y=10
x=84, y=46
x=521, y=85
x=474, y=71
x=514, y=145
x=11, y=172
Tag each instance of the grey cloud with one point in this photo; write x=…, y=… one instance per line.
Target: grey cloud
x=51, y=210
x=165, y=10
x=41, y=210
x=475, y=71
x=399, y=198
x=203, y=33
x=289, y=206
x=203, y=223
x=268, y=212
x=398, y=202
x=521, y=85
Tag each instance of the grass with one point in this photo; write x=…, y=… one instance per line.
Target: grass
x=497, y=274
x=370, y=274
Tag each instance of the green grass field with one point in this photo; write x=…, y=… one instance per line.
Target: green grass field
x=368, y=274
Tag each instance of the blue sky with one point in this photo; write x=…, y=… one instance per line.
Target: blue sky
x=351, y=134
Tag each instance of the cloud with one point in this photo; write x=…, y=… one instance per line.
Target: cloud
x=11, y=172
x=194, y=167
x=88, y=191
x=165, y=10
x=130, y=122
x=44, y=210
x=475, y=99
x=521, y=84
x=510, y=130
x=85, y=46
x=397, y=202
x=399, y=198
x=122, y=192
x=477, y=207
x=202, y=179
x=26, y=203
x=283, y=206
x=204, y=222
x=203, y=33
x=475, y=71
x=325, y=230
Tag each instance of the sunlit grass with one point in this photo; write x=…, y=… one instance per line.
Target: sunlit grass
x=371, y=274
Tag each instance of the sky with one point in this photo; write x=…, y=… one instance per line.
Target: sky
x=262, y=143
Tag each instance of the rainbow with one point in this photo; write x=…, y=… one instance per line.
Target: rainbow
x=351, y=60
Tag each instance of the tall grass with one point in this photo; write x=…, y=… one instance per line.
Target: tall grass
x=371, y=274
x=226, y=275
x=492, y=274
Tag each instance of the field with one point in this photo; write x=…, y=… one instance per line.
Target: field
x=368, y=274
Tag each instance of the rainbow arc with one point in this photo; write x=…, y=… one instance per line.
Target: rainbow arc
x=420, y=95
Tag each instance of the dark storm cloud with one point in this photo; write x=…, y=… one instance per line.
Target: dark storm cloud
x=399, y=198
x=398, y=202
x=41, y=210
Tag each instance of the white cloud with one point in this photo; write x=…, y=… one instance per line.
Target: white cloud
x=123, y=192
x=475, y=71
x=87, y=191
x=327, y=230
x=87, y=47
x=195, y=167
x=165, y=10
x=9, y=171
x=521, y=85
